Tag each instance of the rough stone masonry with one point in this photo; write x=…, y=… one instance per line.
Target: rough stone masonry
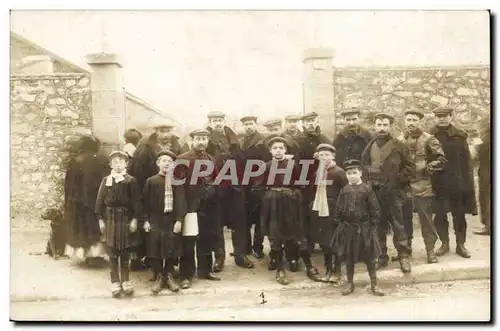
x=45, y=111
x=466, y=89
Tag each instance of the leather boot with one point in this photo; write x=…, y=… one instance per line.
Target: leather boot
x=327, y=276
x=312, y=274
x=376, y=290
x=404, y=263
x=243, y=261
x=445, y=248
x=172, y=283
x=349, y=289
x=158, y=285
x=185, y=284
x=461, y=250
x=382, y=262
x=431, y=256
x=281, y=277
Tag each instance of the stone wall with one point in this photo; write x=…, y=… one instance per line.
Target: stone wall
x=45, y=111
x=393, y=90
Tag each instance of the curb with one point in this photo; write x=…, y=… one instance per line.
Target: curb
x=427, y=273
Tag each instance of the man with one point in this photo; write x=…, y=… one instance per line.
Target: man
x=484, y=173
x=223, y=145
x=253, y=150
x=352, y=140
x=273, y=125
x=201, y=200
x=312, y=139
x=293, y=134
x=390, y=169
x=455, y=184
x=426, y=152
x=143, y=165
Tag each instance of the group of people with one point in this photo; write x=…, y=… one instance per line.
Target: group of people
x=357, y=188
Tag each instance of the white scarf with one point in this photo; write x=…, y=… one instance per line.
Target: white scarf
x=320, y=200
x=118, y=176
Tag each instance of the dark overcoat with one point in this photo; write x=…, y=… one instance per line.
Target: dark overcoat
x=456, y=181
x=351, y=144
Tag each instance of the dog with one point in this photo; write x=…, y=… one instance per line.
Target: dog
x=57, y=238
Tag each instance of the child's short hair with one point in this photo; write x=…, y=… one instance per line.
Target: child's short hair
x=132, y=136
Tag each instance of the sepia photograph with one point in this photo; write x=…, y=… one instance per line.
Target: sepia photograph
x=250, y=165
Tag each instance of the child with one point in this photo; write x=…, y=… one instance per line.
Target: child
x=281, y=210
x=118, y=207
x=164, y=209
x=357, y=214
x=323, y=207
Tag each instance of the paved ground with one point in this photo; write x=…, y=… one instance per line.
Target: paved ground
x=35, y=276
x=444, y=301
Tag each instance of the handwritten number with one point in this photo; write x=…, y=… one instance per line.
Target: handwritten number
x=263, y=298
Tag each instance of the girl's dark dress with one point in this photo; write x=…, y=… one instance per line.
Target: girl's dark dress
x=117, y=205
x=282, y=208
x=357, y=214
x=161, y=241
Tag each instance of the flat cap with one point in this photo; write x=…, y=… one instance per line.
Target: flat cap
x=415, y=112
x=442, y=111
x=272, y=122
x=352, y=111
x=248, y=118
x=292, y=118
x=167, y=152
x=121, y=154
x=349, y=164
x=164, y=123
x=216, y=114
x=310, y=116
x=326, y=147
x=385, y=115
x=277, y=139
x=199, y=132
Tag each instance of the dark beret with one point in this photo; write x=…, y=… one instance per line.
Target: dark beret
x=216, y=114
x=248, y=118
x=167, y=152
x=309, y=116
x=326, y=147
x=277, y=140
x=292, y=118
x=349, y=164
x=121, y=154
x=442, y=111
x=385, y=115
x=199, y=132
x=415, y=112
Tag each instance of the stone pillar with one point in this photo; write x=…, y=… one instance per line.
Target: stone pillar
x=318, y=86
x=108, y=99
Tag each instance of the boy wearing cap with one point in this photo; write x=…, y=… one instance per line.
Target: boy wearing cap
x=164, y=210
x=389, y=171
x=426, y=152
x=454, y=185
x=118, y=206
x=357, y=214
x=329, y=180
x=352, y=140
x=282, y=209
x=143, y=165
